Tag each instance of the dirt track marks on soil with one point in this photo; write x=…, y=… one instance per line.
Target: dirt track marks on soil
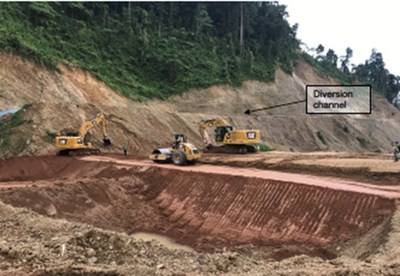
x=266, y=206
x=198, y=205
x=254, y=209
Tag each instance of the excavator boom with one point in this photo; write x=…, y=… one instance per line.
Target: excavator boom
x=99, y=121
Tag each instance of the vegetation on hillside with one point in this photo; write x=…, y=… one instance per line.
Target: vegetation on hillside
x=372, y=72
x=7, y=129
x=154, y=49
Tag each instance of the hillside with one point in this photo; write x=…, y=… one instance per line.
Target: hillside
x=59, y=101
x=152, y=50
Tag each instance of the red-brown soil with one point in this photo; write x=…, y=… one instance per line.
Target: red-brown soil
x=344, y=205
x=205, y=207
x=374, y=168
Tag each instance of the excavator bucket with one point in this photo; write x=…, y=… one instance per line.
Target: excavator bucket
x=107, y=142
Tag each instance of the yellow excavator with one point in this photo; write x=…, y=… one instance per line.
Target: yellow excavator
x=229, y=140
x=181, y=153
x=79, y=143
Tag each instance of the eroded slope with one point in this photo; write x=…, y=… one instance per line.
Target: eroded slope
x=65, y=100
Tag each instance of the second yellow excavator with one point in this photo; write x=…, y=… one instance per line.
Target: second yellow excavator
x=78, y=143
x=228, y=139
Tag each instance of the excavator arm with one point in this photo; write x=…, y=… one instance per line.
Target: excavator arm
x=99, y=121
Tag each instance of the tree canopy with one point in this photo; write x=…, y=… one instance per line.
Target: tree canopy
x=154, y=49
x=372, y=72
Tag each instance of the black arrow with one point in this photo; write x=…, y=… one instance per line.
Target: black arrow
x=248, y=111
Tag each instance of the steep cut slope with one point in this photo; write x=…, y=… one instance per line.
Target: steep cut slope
x=66, y=99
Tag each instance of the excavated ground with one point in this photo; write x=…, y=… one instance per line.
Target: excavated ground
x=205, y=207
x=282, y=212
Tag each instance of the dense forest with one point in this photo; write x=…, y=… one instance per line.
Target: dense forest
x=155, y=49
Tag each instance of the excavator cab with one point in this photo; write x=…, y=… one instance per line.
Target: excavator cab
x=221, y=131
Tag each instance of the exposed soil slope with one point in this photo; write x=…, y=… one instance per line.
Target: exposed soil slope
x=34, y=245
x=65, y=100
x=197, y=204
x=329, y=230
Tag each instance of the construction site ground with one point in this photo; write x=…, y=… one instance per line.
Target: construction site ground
x=276, y=213
x=317, y=205
x=377, y=168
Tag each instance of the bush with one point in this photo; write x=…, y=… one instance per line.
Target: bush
x=264, y=147
x=362, y=141
x=321, y=137
x=7, y=126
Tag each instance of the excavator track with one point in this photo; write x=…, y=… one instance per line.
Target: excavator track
x=78, y=152
x=231, y=149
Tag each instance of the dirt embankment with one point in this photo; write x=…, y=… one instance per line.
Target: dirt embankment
x=248, y=222
x=34, y=245
x=204, y=209
x=67, y=99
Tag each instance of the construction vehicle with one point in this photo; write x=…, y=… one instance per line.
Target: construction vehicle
x=181, y=153
x=79, y=143
x=229, y=140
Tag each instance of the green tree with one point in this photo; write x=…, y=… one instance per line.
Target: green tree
x=345, y=60
x=203, y=21
x=331, y=58
x=320, y=49
x=375, y=73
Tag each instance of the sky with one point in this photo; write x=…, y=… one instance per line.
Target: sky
x=360, y=25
